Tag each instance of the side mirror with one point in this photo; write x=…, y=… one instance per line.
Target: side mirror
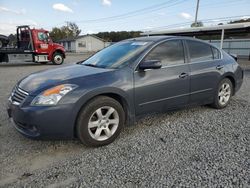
x=234, y=56
x=46, y=41
x=49, y=40
x=150, y=64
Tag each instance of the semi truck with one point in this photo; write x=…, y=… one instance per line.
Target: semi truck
x=33, y=45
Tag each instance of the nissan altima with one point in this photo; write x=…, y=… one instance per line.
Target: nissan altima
x=94, y=99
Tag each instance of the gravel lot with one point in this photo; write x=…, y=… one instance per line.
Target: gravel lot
x=193, y=147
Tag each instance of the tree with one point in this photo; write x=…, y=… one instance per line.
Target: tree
x=198, y=24
x=71, y=30
x=75, y=31
x=118, y=36
x=57, y=34
x=12, y=40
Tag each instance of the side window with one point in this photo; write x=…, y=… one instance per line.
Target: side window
x=42, y=36
x=82, y=44
x=216, y=53
x=199, y=51
x=169, y=53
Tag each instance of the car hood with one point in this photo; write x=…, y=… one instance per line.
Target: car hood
x=49, y=78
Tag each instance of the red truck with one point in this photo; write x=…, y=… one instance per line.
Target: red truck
x=33, y=45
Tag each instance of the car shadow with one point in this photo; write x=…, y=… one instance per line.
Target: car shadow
x=23, y=64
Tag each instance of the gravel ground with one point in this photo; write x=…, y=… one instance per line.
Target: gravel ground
x=193, y=147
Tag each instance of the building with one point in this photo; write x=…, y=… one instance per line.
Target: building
x=240, y=47
x=83, y=44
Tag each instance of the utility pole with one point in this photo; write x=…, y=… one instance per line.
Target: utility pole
x=196, y=14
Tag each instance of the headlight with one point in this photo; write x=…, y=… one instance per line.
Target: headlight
x=53, y=95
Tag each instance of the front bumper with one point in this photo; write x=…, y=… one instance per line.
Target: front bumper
x=43, y=122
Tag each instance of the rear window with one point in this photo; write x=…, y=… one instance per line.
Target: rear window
x=216, y=53
x=199, y=51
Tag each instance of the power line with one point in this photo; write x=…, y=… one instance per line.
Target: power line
x=205, y=5
x=169, y=3
x=147, y=10
x=204, y=21
x=122, y=24
x=221, y=19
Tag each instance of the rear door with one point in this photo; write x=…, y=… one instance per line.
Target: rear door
x=204, y=62
x=164, y=88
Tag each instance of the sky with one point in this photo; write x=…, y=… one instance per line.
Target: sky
x=93, y=16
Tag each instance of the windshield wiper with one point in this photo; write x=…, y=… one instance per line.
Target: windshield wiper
x=91, y=65
x=79, y=62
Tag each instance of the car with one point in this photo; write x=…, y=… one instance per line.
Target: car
x=94, y=99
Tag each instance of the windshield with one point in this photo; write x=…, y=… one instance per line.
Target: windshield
x=117, y=55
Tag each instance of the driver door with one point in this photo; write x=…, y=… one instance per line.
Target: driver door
x=165, y=88
x=43, y=42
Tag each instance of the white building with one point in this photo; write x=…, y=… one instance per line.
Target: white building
x=84, y=43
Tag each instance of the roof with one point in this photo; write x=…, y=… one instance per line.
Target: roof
x=78, y=37
x=231, y=28
x=151, y=38
x=159, y=38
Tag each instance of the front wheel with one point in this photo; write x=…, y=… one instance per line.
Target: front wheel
x=100, y=122
x=57, y=58
x=223, y=94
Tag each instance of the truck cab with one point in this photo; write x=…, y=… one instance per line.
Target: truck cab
x=34, y=45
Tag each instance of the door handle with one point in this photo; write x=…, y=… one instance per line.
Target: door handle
x=219, y=67
x=183, y=75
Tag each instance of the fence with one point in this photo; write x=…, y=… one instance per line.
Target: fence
x=240, y=47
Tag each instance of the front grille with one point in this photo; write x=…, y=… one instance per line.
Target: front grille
x=18, y=95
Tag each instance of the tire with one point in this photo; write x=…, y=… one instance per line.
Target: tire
x=94, y=127
x=57, y=58
x=223, y=94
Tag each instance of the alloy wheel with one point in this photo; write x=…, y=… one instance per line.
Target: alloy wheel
x=103, y=123
x=224, y=94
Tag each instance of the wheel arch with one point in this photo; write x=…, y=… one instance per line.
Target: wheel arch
x=231, y=77
x=117, y=95
x=59, y=51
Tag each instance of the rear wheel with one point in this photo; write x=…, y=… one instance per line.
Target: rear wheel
x=100, y=122
x=57, y=58
x=223, y=94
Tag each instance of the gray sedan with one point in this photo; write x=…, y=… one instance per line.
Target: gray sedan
x=92, y=100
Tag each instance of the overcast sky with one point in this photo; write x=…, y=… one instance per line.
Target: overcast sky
x=93, y=16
